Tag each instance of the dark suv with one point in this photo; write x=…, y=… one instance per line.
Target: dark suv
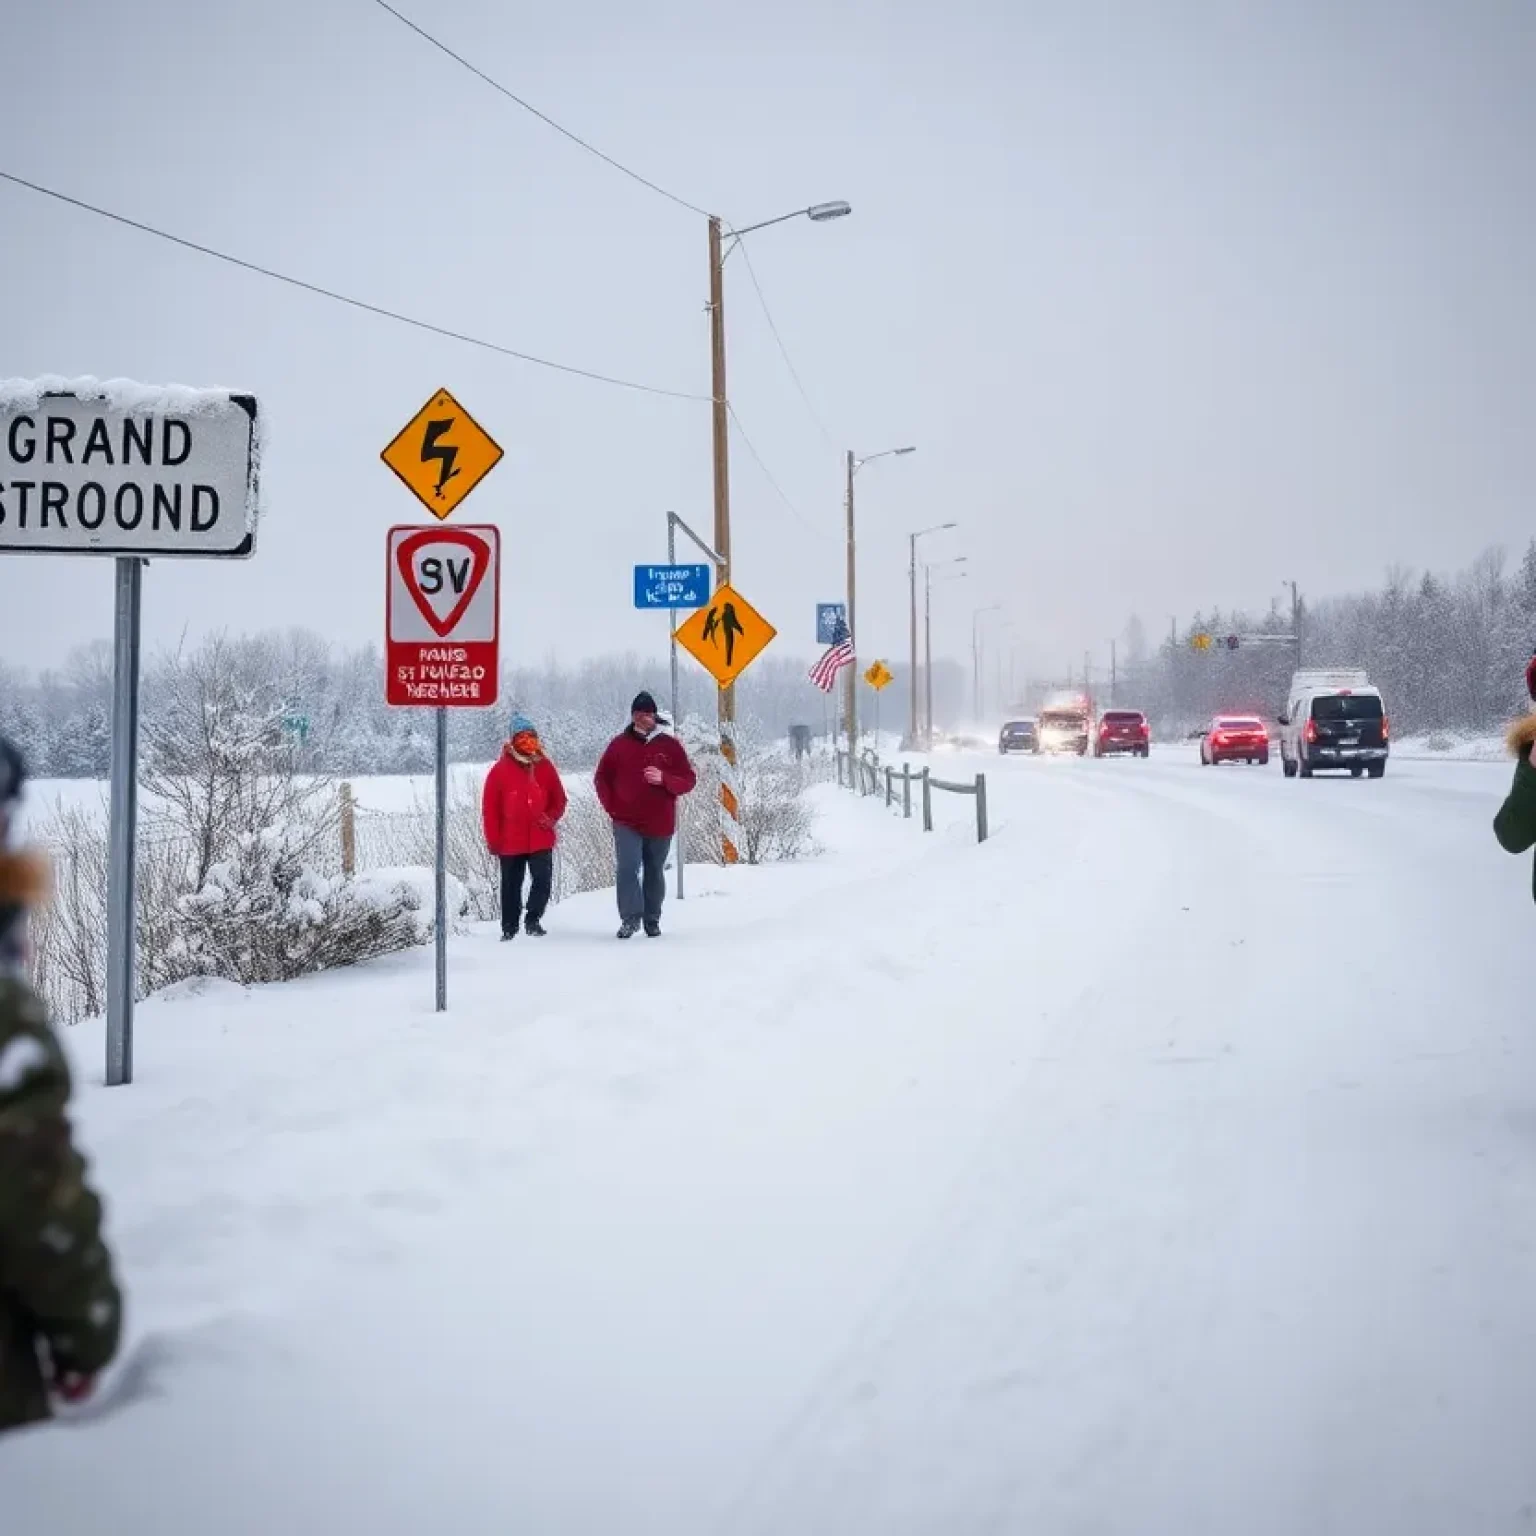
x=1018, y=736
x=1334, y=728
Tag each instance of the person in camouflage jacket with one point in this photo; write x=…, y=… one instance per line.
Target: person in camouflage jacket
x=60, y=1311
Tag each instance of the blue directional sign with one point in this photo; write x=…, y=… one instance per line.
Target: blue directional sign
x=671, y=586
x=827, y=617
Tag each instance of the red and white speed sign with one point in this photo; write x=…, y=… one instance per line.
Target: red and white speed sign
x=443, y=615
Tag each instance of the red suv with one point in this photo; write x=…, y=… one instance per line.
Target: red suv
x=1123, y=730
x=1235, y=738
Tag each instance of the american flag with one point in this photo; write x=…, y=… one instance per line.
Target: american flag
x=837, y=656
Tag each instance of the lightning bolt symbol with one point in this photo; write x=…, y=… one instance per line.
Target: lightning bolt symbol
x=443, y=454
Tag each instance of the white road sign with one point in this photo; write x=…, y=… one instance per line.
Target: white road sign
x=115, y=468
x=442, y=610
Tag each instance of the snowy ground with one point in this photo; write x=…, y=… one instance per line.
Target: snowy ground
x=1486, y=748
x=1168, y=1164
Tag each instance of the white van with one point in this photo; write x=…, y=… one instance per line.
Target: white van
x=1333, y=720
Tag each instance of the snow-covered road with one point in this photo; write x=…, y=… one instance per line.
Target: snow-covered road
x=1168, y=1164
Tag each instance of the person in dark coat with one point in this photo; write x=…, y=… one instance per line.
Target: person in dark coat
x=638, y=781
x=61, y=1312
x=522, y=803
x=1515, y=825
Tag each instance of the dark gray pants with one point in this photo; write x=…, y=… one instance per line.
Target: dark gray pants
x=642, y=865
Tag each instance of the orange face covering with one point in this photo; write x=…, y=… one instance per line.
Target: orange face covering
x=526, y=744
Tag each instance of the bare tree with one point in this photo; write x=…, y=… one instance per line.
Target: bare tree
x=218, y=762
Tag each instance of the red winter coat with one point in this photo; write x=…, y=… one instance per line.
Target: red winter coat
x=521, y=804
x=649, y=809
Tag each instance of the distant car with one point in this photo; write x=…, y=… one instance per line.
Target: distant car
x=1235, y=739
x=1018, y=736
x=1064, y=729
x=1123, y=730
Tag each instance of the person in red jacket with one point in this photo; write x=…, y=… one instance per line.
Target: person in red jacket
x=523, y=801
x=638, y=781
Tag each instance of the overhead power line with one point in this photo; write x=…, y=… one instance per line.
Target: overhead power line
x=347, y=299
x=768, y=476
x=794, y=372
x=644, y=181
x=543, y=117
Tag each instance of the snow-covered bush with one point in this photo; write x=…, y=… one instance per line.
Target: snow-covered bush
x=584, y=857
x=263, y=914
x=777, y=820
x=69, y=932
x=410, y=838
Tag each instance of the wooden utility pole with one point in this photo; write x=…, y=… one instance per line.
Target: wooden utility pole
x=1296, y=619
x=730, y=808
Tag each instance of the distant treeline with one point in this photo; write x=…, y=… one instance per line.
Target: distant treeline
x=1448, y=652
x=330, y=701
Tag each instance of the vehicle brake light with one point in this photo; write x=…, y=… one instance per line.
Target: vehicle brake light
x=1386, y=727
x=1311, y=731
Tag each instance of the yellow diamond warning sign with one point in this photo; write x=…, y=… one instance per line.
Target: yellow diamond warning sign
x=878, y=676
x=442, y=455
x=725, y=636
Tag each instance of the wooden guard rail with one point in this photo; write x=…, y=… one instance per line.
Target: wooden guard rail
x=864, y=775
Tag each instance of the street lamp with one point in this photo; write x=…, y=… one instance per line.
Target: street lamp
x=851, y=700
x=912, y=539
x=953, y=575
x=976, y=657
x=817, y=213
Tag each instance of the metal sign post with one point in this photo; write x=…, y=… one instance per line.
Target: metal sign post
x=133, y=472
x=442, y=623
x=440, y=872
x=123, y=825
x=681, y=851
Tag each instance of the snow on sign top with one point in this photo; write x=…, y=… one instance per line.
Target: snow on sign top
x=120, y=468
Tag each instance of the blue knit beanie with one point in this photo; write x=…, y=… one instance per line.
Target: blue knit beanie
x=521, y=723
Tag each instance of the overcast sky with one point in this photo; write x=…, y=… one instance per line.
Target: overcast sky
x=1177, y=299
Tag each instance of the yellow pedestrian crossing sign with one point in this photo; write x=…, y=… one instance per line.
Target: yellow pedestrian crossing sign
x=725, y=636
x=442, y=454
x=878, y=676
